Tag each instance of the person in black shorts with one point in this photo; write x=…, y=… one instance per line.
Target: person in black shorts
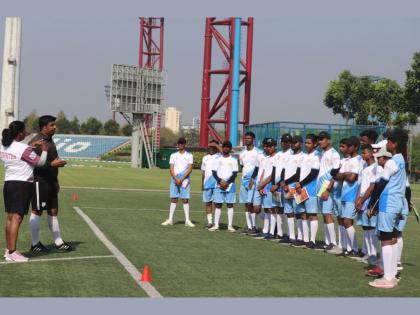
x=46, y=188
x=19, y=161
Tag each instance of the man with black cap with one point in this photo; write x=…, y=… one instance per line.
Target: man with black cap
x=225, y=170
x=329, y=166
x=181, y=163
x=279, y=164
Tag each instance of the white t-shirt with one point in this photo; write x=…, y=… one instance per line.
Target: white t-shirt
x=330, y=159
x=309, y=162
x=292, y=164
x=19, y=162
x=280, y=162
x=181, y=162
x=249, y=159
x=265, y=169
x=370, y=175
x=225, y=166
x=207, y=168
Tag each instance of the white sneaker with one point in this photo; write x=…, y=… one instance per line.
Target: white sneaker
x=334, y=250
x=189, y=224
x=400, y=267
x=16, y=257
x=231, y=229
x=382, y=283
x=6, y=252
x=167, y=222
x=214, y=228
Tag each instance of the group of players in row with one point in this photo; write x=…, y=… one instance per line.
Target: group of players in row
x=370, y=190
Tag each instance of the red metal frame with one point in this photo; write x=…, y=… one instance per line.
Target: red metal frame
x=221, y=103
x=151, y=57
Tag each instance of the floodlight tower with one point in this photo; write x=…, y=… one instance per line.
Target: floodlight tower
x=225, y=107
x=9, y=102
x=138, y=93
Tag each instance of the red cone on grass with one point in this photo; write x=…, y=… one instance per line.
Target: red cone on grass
x=145, y=276
x=74, y=196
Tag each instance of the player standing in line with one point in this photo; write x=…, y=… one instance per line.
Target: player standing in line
x=180, y=168
x=249, y=159
x=262, y=186
x=289, y=179
x=309, y=171
x=208, y=182
x=19, y=161
x=354, y=167
x=46, y=188
x=390, y=191
x=280, y=160
x=225, y=170
x=370, y=174
x=329, y=165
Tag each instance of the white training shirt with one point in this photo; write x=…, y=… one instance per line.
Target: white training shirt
x=292, y=164
x=19, y=162
x=309, y=162
x=181, y=162
x=330, y=159
x=249, y=159
x=266, y=168
x=370, y=175
x=280, y=162
x=207, y=168
x=225, y=166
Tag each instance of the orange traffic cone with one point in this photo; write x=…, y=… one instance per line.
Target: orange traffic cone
x=145, y=276
x=74, y=196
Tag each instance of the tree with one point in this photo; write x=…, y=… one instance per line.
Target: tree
x=412, y=88
x=91, y=127
x=63, y=124
x=126, y=130
x=31, y=122
x=74, y=126
x=192, y=136
x=111, y=128
x=167, y=138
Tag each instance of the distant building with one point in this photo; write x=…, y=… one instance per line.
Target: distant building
x=173, y=119
x=196, y=123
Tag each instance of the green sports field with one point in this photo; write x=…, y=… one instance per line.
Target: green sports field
x=128, y=206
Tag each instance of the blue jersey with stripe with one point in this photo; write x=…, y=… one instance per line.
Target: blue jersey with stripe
x=392, y=198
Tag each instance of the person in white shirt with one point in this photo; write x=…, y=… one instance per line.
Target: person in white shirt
x=208, y=182
x=309, y=170
x=19, y=162
x=329, y=166
x=249, y=160
x=181, y=164
x=225, y=170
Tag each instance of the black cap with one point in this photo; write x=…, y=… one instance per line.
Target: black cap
x=269, y=142
x=287, y=137
x=182, y=140
x=227, y=144
x=324, y=134
x=297, y=139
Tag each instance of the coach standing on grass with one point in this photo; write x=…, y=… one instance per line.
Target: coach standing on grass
x=46, y=189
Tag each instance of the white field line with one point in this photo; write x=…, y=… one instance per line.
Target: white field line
x=60, y=259
x=135, y=274
x=137, y=209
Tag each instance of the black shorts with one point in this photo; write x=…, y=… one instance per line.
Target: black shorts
x=17, y=196
x=45, y=196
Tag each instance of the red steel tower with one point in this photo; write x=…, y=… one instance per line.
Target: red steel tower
x=151, y=57
x=218, y=110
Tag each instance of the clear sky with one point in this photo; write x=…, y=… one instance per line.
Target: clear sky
x=299, y=46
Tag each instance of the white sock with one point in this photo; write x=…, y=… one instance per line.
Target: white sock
x=209, y=218
x=314, y=230
x=186, y=211
x=381, y=260
x=351, y=232
x=400, y=244
x=365, y=249
x=340, y=236
x=266, y=222
x=331, y=233
x=291, y=227
x=273, y=222
x=35, y=222
x=230, y=216
x=217, y=214
x=172, y=208
x=394, y=259
x=344, y=238
x=327, y=235
x=366, y=243
x=299, y=229
x=387, y=261
x=248, y=220
x=253, y=222
x=55, y=229
x=373, y=242
x=305, y=230
x=279, y=222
